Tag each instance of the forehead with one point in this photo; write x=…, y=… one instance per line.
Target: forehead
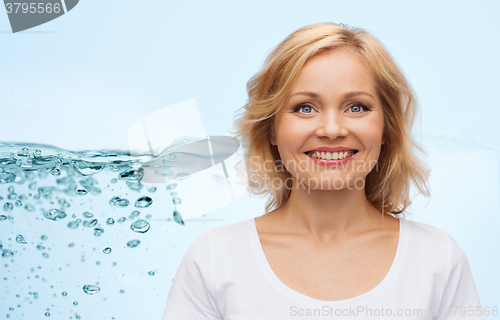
x=337, y=71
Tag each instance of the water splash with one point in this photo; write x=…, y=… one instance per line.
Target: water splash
x=128, y=175
x=78, y=199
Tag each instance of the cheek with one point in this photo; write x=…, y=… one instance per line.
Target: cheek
x=371, y=130
x=288, y=132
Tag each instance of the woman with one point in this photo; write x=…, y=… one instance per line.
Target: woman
x=327, y=129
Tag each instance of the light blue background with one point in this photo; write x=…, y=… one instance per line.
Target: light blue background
x=80, y=81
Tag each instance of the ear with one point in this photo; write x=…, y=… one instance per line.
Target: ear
x=383, y=140
x=272, y=136
x=272, y=140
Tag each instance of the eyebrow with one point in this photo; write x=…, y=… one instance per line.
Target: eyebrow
x=346, y=96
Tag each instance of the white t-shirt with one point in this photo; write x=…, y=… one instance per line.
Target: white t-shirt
x=225, y=275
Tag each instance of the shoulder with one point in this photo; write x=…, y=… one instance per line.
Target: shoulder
x=232, y=231
x=222, y=238
x=423, y=229
x=437, y=253
x=434, y=243
x=427, y=234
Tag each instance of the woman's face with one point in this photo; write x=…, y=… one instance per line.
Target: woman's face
x=333, y=104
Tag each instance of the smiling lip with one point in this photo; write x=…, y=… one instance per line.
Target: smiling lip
x=330, y=149
x=322, y=162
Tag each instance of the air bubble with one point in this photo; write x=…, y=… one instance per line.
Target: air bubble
x=171, y=186
x=177, y=217
x=54, y=214
x=133, y=243
x=118, y=202
x=140, y=226
x=7, y=253
x=20, y=239
x=93, y=223
x=91, y=289
x=143, y=202
x=7, y=206
x=55, y=172
x=87, y=215
x=74, y=224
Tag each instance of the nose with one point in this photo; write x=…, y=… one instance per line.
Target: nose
x=331, y=126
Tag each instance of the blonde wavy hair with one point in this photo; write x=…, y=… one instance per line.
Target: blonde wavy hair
x=388, y=188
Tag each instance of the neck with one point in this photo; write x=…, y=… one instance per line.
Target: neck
x=328, y=214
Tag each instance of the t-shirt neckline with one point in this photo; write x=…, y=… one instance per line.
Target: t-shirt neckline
x=283, y=288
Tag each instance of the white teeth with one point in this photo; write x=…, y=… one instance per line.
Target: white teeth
x=330, y=156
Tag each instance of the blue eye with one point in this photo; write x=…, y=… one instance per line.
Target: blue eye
x=297, y=108
x=307, y=109
x=359, y=106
